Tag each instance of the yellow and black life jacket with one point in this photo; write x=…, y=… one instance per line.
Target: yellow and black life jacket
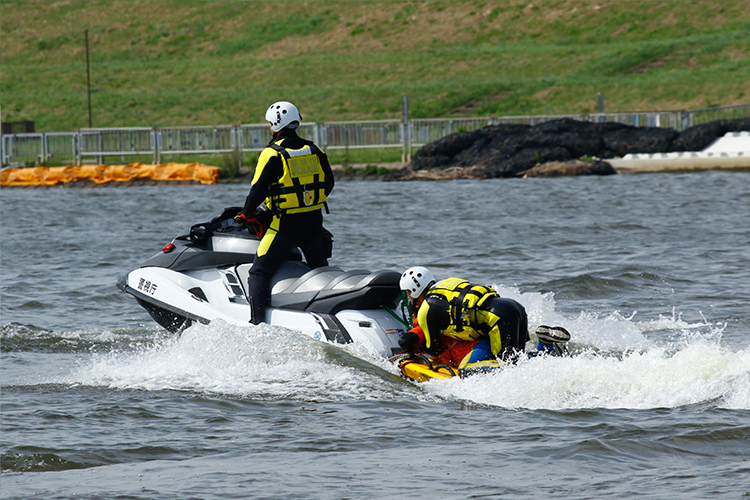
x=463, y=299
x=301, y=188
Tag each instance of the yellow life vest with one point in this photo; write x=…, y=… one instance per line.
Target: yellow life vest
x=463, y=300
x=301, y=188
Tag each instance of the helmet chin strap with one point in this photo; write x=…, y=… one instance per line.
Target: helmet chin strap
x=413, y=305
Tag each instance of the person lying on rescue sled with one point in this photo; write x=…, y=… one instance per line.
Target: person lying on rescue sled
x=469, y=327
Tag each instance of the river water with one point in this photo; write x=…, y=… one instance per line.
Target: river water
x=650, y=273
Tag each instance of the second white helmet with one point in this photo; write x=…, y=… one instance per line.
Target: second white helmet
x=282, y=113
x=416, y=280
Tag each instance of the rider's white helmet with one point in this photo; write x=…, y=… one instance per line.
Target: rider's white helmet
x=282, y=113
x=416, y=280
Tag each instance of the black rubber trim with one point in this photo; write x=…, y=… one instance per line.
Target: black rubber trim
x=335, y=330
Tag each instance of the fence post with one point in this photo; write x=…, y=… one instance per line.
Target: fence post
x=405, y=141
x=155, y=137
x=45, y=149
x=320, y=136
x=5, y=151
x=78, y=148
x=235, y=137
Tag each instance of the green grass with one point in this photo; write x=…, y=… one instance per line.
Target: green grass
x=191, y=62
x=364, y=156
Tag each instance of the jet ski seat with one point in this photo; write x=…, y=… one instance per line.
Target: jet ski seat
x=328, y=290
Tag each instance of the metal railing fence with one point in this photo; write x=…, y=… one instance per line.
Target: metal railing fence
x=423, y=131
x=61, y=147
x=128, y=141
x=189, y=140
x=705, y=115
x=254, y=137
x=664, y=119
x=102, y=144
x=363, y=134
x=22, y=147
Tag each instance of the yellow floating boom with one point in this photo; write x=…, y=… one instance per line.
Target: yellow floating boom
x=101, y=174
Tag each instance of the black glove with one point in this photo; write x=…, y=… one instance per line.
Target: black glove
x=240, y=219
x=409, y=342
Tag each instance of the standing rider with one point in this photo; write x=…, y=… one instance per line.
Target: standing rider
x=468, y=326
x=294, y=178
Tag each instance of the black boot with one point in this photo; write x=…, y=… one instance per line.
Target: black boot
x=257, y=290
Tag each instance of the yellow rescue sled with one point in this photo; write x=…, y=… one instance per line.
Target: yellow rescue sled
x=421, y=368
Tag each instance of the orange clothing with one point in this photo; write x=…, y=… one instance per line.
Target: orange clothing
x=452, y=351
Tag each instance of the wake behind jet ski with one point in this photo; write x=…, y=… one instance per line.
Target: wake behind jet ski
x=201, y=276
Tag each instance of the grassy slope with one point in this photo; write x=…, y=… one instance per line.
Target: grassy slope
x=169, y=62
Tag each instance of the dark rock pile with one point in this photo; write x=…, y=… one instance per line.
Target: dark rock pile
x=568, y=168
x=513, y=150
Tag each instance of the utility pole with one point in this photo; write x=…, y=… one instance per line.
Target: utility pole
x=88, y=75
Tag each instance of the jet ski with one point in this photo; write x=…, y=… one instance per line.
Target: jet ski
x=201, y=276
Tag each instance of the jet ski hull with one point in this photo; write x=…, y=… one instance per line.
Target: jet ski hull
x=202, y=277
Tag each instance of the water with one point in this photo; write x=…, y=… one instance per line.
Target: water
x=650, y=273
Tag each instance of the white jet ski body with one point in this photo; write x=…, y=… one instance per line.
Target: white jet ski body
x=202, y=276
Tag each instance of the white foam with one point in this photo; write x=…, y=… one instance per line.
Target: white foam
x=613, y=332
x=263, y=361
x=687, y=367
x=696, y=373
x=613, y=364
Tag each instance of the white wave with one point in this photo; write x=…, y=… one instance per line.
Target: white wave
x=695, y=371
x=263, y=361
x=671, y=323
x=614, y=332
x=613, y=365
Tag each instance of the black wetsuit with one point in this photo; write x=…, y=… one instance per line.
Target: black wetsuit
x=303, y=230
